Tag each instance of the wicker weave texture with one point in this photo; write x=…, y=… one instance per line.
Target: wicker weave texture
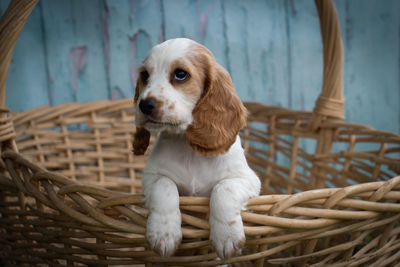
x=49, y=218
x=84, y=141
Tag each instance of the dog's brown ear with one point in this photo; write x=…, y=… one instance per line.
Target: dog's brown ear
x=137, y=91
x=141, y=139
x=218, y=116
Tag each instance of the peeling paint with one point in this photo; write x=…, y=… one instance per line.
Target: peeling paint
x=114, y=95
x=117, y=93
x=203, y=25
x=133, y=42
x=203, y=20
x=77, y=62
x=95, y=53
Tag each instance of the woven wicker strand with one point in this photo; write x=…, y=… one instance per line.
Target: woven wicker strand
x=70, y=189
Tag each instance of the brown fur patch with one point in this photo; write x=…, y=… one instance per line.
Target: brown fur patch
x=141, y=141
x=231, y=223
x=171, y=107
x=219, y=115
x=193, y=85
x=139, y=85
x=137, y=91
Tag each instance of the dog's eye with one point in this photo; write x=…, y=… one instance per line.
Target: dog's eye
x=144, y=75
x=180, y=75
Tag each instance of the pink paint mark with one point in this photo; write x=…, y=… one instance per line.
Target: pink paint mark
x=133, y=65
x=203, y=25
x=203, y=19
x=114, y=95
x=77, y=62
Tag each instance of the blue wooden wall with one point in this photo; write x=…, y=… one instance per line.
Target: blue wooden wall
x=76, y=50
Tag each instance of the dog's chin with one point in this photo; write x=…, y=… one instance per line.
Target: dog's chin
x=157, y=126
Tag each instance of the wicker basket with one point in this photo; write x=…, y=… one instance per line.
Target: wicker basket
x=66, y=198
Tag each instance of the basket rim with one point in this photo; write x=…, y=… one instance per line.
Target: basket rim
x=256, y=110
x=72, y=186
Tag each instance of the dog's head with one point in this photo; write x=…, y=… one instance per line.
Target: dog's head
x=182, y=89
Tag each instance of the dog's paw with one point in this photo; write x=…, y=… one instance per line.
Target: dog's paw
x=227, y=237
x=163, y=232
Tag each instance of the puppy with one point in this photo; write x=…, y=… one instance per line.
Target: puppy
x=184, y=94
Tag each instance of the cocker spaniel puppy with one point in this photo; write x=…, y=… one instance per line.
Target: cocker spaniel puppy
x=183, y=93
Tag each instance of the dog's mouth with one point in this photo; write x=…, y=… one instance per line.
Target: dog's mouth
x=170, y=126
x=162, y=123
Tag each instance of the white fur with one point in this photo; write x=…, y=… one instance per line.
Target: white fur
x=174, y=169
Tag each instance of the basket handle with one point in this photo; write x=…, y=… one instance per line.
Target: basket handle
x=11, y=25
x=330, y=103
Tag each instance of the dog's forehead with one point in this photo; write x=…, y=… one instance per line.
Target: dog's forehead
x=169, y=51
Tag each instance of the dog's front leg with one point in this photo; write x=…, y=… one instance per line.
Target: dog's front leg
x=228, y=198
x=163, y=231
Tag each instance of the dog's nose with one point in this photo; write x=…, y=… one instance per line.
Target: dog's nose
x=147, y=105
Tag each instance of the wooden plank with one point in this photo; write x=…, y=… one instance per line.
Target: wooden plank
x=210, y=27
x=306, y=68
x=75, y=51
x=258, y=50
x=90, y=79
x=26, y=85
x=133, y=27
x=201, y=21
x=59, y=38
x=187, y=12
x=372, y=64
